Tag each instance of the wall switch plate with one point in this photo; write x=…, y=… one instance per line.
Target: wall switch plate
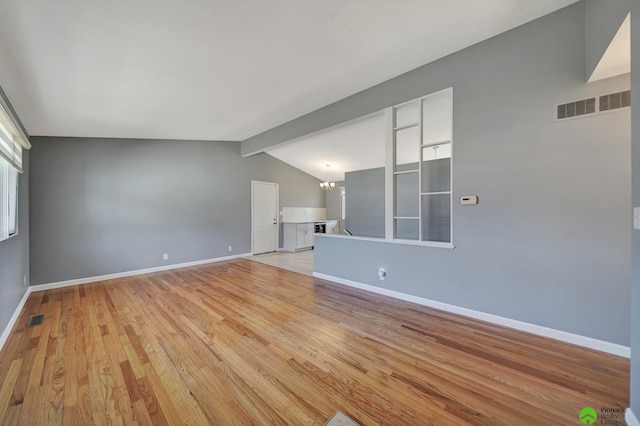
x=636, y=218
x=230, y=248
x=24, y=281
x=165, y=256
x=466, y=200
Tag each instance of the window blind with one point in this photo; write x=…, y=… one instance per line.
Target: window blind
x=12, y=140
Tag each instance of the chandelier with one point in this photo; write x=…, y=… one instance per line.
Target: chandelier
x=326, y=184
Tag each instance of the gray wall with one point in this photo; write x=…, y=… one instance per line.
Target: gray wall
x=332, y=202
x=549, y=241
x=103, y=206
x=14, y=252
x=635, y=161
x=365, y=202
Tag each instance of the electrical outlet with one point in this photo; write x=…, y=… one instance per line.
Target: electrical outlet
x=165, y=256
x=230, y=248
x=24, y=281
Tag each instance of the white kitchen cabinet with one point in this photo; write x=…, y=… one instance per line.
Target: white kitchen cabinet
x=298, y=236
x=332, y=227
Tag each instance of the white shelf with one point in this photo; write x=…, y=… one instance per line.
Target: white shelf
x=435, y=193
x=408, y=126
x=427, y=145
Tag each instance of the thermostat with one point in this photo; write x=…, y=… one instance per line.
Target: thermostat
x=468, y=199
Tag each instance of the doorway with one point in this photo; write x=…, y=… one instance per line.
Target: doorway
x=264, y=216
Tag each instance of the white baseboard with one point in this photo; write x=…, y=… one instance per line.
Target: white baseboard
x=87, y=280
x=576, y=339
x=631, y=418
x=14, y=318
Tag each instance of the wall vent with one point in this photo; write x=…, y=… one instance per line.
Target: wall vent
x=573, y=109
x=615, y=100
x=594, y=105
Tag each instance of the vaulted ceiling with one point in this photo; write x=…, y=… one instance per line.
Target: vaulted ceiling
x=221, y=69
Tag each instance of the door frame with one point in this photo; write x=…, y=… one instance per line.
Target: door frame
x=277, y=185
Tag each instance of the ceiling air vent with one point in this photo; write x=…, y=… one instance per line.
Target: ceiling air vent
x=615, y=100
x=573, y=109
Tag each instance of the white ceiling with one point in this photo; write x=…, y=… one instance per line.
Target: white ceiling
x=223, y=69
x=358, y=145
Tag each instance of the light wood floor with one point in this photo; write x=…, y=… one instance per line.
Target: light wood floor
x=300, y=262
x=239, y=342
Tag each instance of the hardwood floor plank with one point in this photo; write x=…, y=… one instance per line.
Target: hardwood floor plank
x=83, y=395
x=36, y=367
x=7, y=386
x=12, y=416
x=141, y=414
x=70, y=357
x=239, y=342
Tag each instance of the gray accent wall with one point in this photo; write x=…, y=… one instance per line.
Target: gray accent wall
x=14, y=252
x=549, y=241
x=103, y=206
x=364, y=215
x=635, y=252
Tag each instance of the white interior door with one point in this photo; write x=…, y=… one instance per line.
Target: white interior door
x=264, y=216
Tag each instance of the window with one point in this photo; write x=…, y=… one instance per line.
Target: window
x=12, y=142
x=8, y=200
x=12, y=212
x=420, y=169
